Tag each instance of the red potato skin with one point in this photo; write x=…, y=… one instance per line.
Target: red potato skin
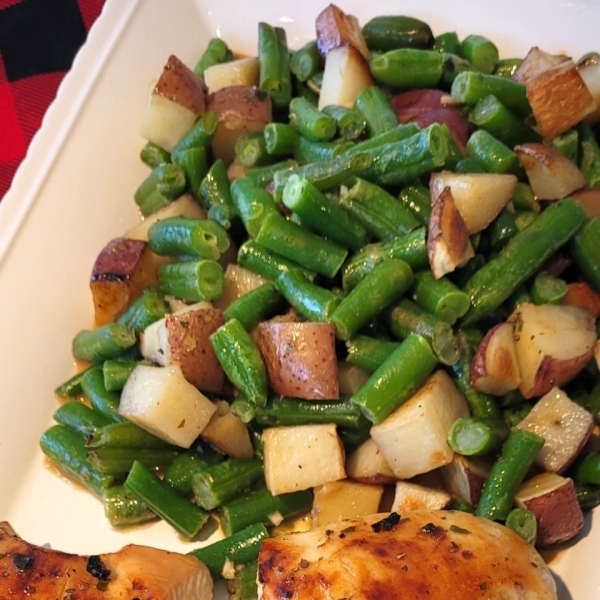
x=121, y=271
x=589, y=198
x=180, y=84
x=583, y=295
x=335, y=28
x=300, y=359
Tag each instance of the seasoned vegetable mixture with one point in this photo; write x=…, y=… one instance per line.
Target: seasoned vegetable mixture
x=367, y=279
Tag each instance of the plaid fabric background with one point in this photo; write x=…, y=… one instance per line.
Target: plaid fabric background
x=38, y=42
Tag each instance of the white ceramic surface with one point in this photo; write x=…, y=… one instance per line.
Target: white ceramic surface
x=74, y=192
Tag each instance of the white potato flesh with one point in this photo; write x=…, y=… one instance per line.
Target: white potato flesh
x=166, y=122
x=465, y=476
x=237, y=282
x=339, y=500
x=243, y=71
x=564, y=425
x=301, y=457
x=412, y=496
x=553, y=344
x=368, y=465
x=227, y=433
x=590, y=73
x=413, y=438
x=163, y=402
x=351, y=378
x=553, y=501
x=184, y=206
x=478, y=197
x=346, y=75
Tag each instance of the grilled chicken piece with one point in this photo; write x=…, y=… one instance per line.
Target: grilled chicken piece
x=439, y=555
x=133, y=573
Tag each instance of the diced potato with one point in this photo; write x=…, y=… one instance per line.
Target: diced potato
x=368, y=465
x=176, y=101
x=182, y=338
x=589, y=70
x=553, y=501
x=237, y=282
x=465, y=476
x=346, y=75
x=351, y=378
x=411, y=496
x=163, y=402
x=300, y=359
x=243, y=71
x=123, y=269
x=341, y=500
x=302, y=457
x=227, y=433
x=413, y=438
x=335, y=28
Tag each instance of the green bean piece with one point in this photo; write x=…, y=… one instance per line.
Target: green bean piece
x=313, y=302
x=474, y=436
x=251, y=150
x=103, y=401
x=507, y=473
x=506, y=67
x=502, y=229
x=148, y=307
x=586, y=469
x=80, y=418
x=292, y=241
x=567, y=144
x=181, y=236
x=513, y=415
x=416, y=199
x=492, y=116
x=367, y=352
x=280, y=138
x=396, y=134
x=463, y=274
x=240, y=549
x=244, y=585
x=284, y=412
x=252, y=203
x=124, y=435
x=489, y=287
x=194, y=164
x=186, y=518
x=469, y=165
x=397, y=379
x=67, y=450
x=263, y=176
x=244, y=409
x=585, y=248
x=306, y=61
x=153, y=155
x=495, y=156
x=523, y=198
x=447, y=43
x=411, y=248
x=408, y=68
x=72, y=387
x=260, y=260
x=480, y=52
x=325, y=174
x=262, y=507
x=470, y=87
x=524, y=219
x=398, y=31
x=120, y=459
x=200, y=135
x=589, y=152
x=102, y=343
x=374, y=106
x=321, y=215
x=311, y=122
x=255, y=306
x=380, y=288
x=216, y=53
x=547, y=289
x=406, y=317
x=350, y=123
x=122, y=508
x=215, y=195
x=524, y=523
x=181, y=471
x=241, y=360
x=221, y=482
x=377, y=210
x=165, y=183
x=193, y=280
x=117, y=372
x=306, y=151
x=588, y=496
x=440, y=297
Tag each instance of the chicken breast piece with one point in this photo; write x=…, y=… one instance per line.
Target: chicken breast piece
x=439, y=555
x=135, y=572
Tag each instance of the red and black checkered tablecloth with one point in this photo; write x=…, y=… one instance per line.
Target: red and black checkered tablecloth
x=38, y=42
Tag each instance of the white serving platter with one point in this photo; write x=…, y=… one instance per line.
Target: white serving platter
x=74, y=192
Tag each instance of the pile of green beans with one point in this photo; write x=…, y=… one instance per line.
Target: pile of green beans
x=333, y=211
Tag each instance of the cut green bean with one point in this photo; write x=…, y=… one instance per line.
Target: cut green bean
x=586, y=469
x=80, y=418
x=255, y=306
x=280, y=138
x=480, y=52
x=72, y=387
x=474, y=436
x=216, y=52
x=193, y=163
x=547, y=289
x=306, y=61
x=251, y=150
x=350, y=123
x=375, y=108
x=186, y=518
x=307, y=151
x=148, y=307
x=193, y=280
x=154, y=156
x=369, y=353
x=181, y=471
x=397, y=379
x=124, y=435
x=105, y=402
x=102, y=343
x=567, y=144
x=523, y=523
x=495, y=156
x=585, y=248
x=439, y=297
x=416, y=199
x=447, y=43
x=121, y=460
x=244, y=585
x=311, y=122
x=252, y=204
x=589, y=152
x=506, y=67
x=117, y=372
x=408, y=68
x=263, y=176
x=214, y=193
x=398, y=31
x=122, y=508
x=199, y=136
x=164, y=184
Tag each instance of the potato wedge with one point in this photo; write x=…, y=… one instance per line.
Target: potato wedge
x=465, y=476
x=589, y=198
x=243, y=71
x=367, y=464
x=412, y=496
x=237, y=282
x=583, y=295
x=335, y=29
x=123, y=269
x=227, y=433
x=589, y=69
